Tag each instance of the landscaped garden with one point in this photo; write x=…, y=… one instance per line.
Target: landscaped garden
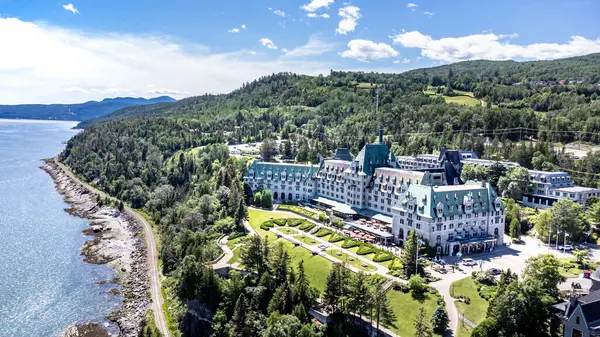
x=297, y=210
x=351, y=261
x=406, y=305
x=469, y=303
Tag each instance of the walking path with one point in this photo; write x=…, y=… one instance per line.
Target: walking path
x=223, y=260
x=155, y=285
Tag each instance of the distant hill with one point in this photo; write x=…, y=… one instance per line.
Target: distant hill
x=500, y=82
x=75, y=112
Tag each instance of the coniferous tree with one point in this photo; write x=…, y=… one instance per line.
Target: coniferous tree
x=440, y=320
x=421, y=326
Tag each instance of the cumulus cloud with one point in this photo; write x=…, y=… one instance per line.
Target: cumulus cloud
x=234, y=30
x=268, y=43
x=315, y=46
x=368, y=51
x=428, y=13
x=411, y=5
x=493, y=47
x=50, y=64
x=243, y=26
x=314, y=5
x=279, y=12
x=71, y=8
x=350, y=16
x=315, y=15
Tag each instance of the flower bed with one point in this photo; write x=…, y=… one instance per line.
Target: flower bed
x=297, y=210
x=267, y=225
x=366, y=248
x=295, y=222
x=280, y=222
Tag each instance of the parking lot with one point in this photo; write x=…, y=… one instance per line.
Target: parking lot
x=513, y=257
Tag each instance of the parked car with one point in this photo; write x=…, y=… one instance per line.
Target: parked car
x=566, y=247
x=469, y=262
x=495, y=271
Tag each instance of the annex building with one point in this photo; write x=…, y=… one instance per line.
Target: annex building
x=446, y=213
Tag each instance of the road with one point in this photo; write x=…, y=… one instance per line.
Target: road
x=152, y=257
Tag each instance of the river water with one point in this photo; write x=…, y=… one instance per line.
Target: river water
x=44, y=284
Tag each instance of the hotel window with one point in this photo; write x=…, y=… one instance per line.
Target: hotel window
x=418, y=217
x=439, y=227
x=418, y=226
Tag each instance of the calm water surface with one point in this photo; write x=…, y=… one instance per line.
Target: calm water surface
x=44, y=285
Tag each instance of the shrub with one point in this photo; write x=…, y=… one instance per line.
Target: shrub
x=336, y=237
x=298, y=210
x=383, y=256
x=338, y=224
x=307, y=226
x=280, y=222
x=323, y=232
x=295, y=222
x=349, y=243
x=366, y=248
x=403, y=287
x=417, y=284
x=236, y=235
x=267, y=225
x=396, y=265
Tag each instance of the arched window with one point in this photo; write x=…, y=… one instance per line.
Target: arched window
x=401, y=234
x=438, y=240
x=290, y=196
x=496, y=232
x=275, y=195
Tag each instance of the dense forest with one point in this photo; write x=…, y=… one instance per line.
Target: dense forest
x=170, y=161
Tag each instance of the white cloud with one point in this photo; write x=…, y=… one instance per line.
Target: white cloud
x=406, y=60
x=270, y=8
x=493, y=47
x=234, y=30
x=284, y=50
x=350, y=16
x=50, y=64
x=317, y=4
x=243, y=26
x=252, y=52
x=411, y=5
x=170, y=92
x=314, y=46
x=396, y=61
x=279, y=12
x=315, y=15
x=428, y=13
x=368, y=51
x=268, y=43
x=71, y=8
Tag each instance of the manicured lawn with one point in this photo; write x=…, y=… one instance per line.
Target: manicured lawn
x=307, y=240
x=257, y=216
x=316, y=267
x=236, y=255
x=287, y=230
x=343, y=257
x=476, y=311
x=406, y=309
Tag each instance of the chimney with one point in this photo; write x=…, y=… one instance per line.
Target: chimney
x=381, y=135
x=483, y=183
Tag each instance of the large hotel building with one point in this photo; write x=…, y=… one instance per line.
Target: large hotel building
x=450, y=215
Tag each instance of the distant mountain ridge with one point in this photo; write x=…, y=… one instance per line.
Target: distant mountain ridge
x=78, y=111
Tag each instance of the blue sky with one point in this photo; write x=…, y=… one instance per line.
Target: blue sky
x=86, y=49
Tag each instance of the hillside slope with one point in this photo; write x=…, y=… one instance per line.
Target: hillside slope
x=76, y=112
x=286, y=89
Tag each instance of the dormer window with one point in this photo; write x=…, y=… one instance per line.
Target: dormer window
x=283, y=175
x=269, y=174
x=439, y=209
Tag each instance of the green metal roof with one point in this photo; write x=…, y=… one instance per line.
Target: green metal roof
x=453, y=199
x=259, y=170
x=373, y=156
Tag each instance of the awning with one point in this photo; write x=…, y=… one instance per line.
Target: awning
x=335, y=206
x=371, y=230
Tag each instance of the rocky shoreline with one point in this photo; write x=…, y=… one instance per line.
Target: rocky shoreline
x=117, y=242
